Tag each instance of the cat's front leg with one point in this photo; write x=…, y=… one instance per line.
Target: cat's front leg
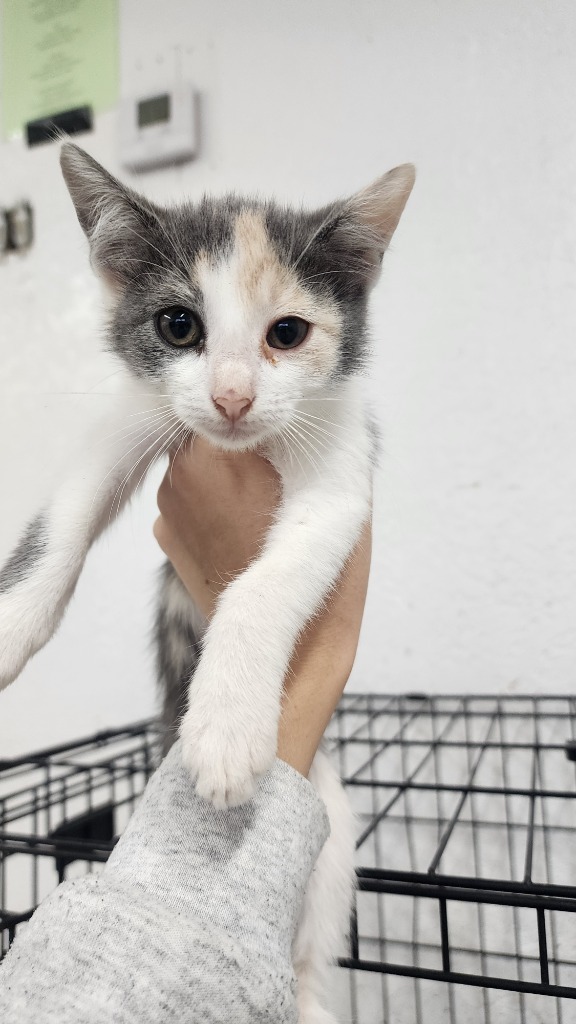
x=38, y=579
x=229, y=731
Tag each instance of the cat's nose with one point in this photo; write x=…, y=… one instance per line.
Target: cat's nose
x=232, y=405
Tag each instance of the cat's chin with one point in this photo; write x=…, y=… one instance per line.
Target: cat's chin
x=234, y=439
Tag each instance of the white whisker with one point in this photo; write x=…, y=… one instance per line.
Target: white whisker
x=299, y=440
x=133, y=428
x=315, y=422
x=142, y=440
x=186, y=434
x=309, y=440
x=309, y=432
x=331, y=214
x=330, y=273
x=120, y=490
x=171, y=264
x=163, y=450
x=285, y=447
x=146, y=263
x=292, y=451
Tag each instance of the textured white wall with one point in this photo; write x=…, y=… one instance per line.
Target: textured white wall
x=474, y=580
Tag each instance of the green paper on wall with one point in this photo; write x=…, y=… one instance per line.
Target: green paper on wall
x=56, y=55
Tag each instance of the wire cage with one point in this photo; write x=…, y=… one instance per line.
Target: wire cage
x=466, y=859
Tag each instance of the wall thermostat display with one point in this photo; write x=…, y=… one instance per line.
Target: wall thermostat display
x=159, y=130
x=154, y=111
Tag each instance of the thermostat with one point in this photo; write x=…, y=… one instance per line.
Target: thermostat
x=159, y=130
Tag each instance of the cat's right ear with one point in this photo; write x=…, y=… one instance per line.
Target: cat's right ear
x=113, y=217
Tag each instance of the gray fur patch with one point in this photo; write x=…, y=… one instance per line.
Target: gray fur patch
x=177, y=652
x=148, y=252
x=375, y=434
x=28, y=551
x=158, y=276
x=158, y=263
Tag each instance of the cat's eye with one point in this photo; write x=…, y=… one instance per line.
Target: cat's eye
x=289, y=332
x=180, y=327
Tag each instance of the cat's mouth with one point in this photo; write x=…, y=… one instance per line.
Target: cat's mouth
x=234, y=436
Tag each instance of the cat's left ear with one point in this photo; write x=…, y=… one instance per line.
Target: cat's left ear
x=372, y=215
x=114, y=218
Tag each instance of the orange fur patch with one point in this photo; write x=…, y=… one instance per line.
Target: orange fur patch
x=267, y=290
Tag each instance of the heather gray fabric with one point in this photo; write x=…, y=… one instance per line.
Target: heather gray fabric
x=191, y=921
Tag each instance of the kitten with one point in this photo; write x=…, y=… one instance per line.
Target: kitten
x=244, y=322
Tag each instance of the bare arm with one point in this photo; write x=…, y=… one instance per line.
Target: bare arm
x=215, y=512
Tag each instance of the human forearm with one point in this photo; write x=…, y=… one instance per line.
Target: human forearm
x=215, y=512
x=323, y=662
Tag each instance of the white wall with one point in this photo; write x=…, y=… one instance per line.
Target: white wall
x=474, y=580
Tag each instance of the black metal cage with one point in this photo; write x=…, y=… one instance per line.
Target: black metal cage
x=466, y=810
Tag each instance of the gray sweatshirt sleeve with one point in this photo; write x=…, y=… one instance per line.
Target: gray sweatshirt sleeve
x=191, y=921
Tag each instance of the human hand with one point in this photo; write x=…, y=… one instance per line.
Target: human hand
x=216, y=509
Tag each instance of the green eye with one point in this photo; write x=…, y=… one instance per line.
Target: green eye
x=179, y=327
x=289, y=332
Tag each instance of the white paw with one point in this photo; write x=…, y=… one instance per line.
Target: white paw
x=225, y=755
x=17, y=642
x=8, y=674
x=12, y=662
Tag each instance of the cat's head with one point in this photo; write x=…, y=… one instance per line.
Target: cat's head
x=238, y=309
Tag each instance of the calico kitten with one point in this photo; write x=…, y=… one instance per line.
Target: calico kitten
x=245, y=322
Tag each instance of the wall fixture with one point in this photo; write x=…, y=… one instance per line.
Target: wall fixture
x=16, y=228
x=3, y=231
x=56, y=126
x=159, y=130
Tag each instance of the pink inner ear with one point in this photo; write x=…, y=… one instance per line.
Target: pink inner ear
x=382, y=203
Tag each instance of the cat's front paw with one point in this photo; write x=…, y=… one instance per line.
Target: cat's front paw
x=226, y=759
x=17, y=640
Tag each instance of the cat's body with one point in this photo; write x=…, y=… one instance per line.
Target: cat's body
x=245, y=323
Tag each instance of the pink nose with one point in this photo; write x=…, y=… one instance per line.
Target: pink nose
x=232, y=405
